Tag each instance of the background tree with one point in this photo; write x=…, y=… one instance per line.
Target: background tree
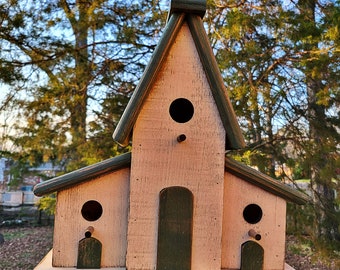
x=73, y=57
x=318, y=64
x=280, y=61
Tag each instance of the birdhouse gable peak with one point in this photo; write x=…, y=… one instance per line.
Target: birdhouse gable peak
x=182, y=13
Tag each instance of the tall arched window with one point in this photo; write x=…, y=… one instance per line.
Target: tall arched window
x=175, y=229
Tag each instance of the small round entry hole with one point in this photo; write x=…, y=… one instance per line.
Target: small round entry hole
x=252, y=213
x=91, y=210
x=181, y=110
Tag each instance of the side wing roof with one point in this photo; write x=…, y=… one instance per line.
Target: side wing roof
x=181, y=11
x=82, y=175
x=124, y=161
x=264, y=181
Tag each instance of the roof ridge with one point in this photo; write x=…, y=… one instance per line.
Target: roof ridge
x=126, y=122
x=197, y=7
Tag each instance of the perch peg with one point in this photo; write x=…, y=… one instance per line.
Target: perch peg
x=254, y=234
x=89, y=231
x=181, y=138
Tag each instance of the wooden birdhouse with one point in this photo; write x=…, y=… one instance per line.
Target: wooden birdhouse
x=175, y=201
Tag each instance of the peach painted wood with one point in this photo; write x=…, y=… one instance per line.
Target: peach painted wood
x=237, y=195
x=159, y=160
x=111, y=191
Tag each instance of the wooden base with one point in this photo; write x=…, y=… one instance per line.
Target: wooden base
x=46, y=264
x=286, y=267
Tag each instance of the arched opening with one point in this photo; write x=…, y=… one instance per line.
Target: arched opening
x=175, y=229
x=89, y=253
x=251, y=256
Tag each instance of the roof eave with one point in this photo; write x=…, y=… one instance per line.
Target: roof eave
x=265, y=182
x=124, y=128
x=125, y=125
x=82, y=175
x=235, y=138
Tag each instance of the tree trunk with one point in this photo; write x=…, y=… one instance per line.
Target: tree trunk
x=79, y=89
x=323, y=194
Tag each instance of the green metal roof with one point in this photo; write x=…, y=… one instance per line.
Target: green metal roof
x=197, y=7
x=180, y=12
x=264, y=182
x=82, y=175
x=124, y=161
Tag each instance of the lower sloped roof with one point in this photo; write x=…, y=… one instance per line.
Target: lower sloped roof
x=264, y=181
x=84, y=174
x=124, y=161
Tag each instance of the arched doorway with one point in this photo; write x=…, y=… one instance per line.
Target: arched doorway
x=89, y=253
x=175, y=229
x=251, y=256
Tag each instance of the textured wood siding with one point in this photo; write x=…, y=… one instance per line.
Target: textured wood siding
x=159, y=161
x=112, y=192
x=237, y=195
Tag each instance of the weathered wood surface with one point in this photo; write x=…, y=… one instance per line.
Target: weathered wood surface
x=237, y=195
x=175, y=229
x=112, y=192
x=159, y=160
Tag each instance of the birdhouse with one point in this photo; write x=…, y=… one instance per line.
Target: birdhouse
x=175, y=201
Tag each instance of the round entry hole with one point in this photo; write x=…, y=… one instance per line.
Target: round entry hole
x=91, y=210
x=181, y=110
x=252, y=213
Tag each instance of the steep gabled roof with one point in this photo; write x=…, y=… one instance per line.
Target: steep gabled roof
x=82, y=175
x=181, y=11
x=264, y=182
